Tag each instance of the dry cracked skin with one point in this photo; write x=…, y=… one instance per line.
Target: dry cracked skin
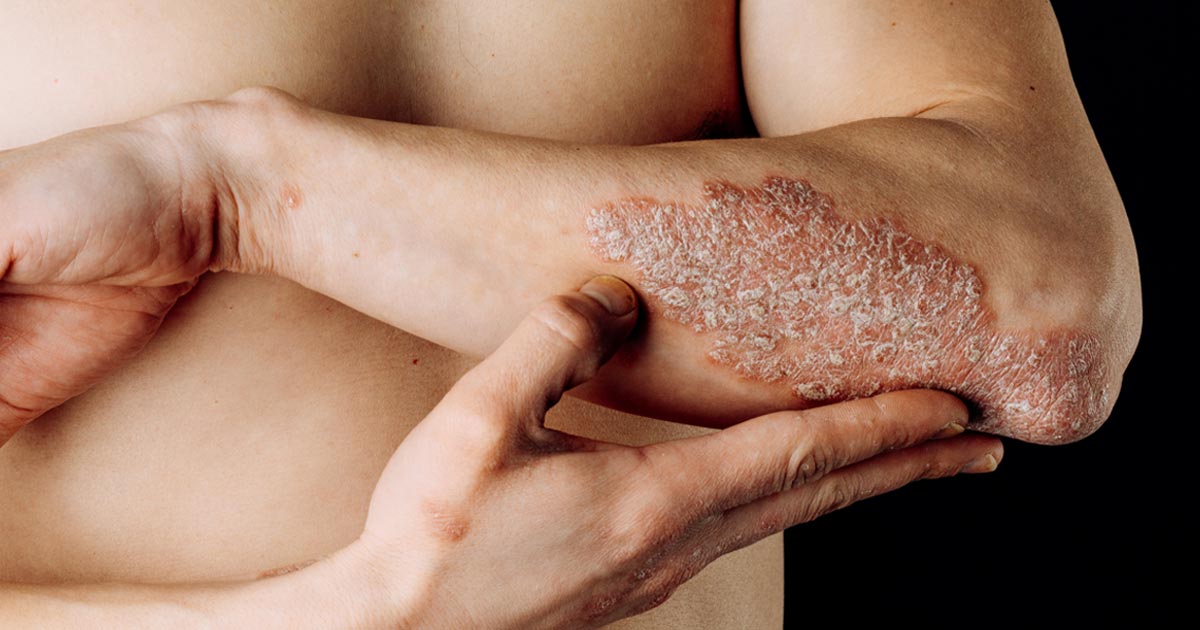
x=790, y=291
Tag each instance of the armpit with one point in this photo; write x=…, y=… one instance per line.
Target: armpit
x=792, y=292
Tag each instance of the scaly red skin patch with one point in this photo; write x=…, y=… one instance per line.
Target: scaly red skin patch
x=794, y=293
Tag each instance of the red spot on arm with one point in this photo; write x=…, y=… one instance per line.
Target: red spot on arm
x=290, y=197
x=445, y=524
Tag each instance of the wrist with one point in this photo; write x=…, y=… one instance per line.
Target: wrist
x=395, y=587
x=344, y=590
x=237, y=159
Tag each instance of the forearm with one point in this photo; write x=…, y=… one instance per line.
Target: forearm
x=334, y=593
x=451, y=235
x=112, y=605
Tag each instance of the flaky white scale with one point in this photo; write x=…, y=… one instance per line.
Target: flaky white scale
x=792, y=292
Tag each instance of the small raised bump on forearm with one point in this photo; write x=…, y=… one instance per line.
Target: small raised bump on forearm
x=790, y=291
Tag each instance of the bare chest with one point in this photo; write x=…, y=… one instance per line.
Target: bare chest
x=599, y=71
x=251, y=431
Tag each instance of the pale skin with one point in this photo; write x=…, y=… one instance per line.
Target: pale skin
x=362, y=211
x=481, y=482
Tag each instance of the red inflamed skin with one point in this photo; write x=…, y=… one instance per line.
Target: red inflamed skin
x=790, y=291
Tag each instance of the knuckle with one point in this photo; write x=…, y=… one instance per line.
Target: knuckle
x=878, y=408
x=767, y=524
x=480, y=429
x=679, y=575
x=929, y=463
x=833, y=497
x=656, y=598
x=482, y=442
x=639, y=531
x=808, y=461
x=564, y=318
x=882, y=426
x=626, y=543
x=600, y=606
x=662, y=586
x=740, y=539
x=937, y=469
x=471, y=422
x=877, y=431
x=645, y=538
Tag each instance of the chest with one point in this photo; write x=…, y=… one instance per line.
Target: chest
x=232, y=475
x=595, y=71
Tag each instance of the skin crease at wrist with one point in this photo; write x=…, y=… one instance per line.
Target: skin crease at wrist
x=791, y=292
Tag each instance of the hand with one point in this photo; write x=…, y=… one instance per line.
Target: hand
x=97, y=241
x=486, y=518
x=102, y=230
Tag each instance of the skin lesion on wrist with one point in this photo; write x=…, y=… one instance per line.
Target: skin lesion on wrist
x=231, y=160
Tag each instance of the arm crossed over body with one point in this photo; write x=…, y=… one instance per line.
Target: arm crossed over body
x=940, y=216
x=966, y=237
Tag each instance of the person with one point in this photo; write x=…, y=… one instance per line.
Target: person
x=968, y=134
x=585, y=532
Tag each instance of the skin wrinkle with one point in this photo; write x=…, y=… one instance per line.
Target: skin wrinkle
x=791, y=292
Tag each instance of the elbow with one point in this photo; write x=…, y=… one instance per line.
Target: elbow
x=1110, y=315
x=1062, y=386
x=1113, y=317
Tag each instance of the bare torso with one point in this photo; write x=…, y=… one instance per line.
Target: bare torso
x=250, y=433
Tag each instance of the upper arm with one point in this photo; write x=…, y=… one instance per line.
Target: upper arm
x=811, y=65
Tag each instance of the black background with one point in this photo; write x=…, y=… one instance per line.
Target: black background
x=1087, y=532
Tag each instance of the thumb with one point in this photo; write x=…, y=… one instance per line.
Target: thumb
x=560, y=344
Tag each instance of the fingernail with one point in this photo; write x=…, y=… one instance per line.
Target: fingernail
x=950, y=430
x=612, y=293
x=982, y=464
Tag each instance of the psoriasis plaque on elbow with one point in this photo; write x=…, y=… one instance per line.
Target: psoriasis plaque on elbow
x=792, y=292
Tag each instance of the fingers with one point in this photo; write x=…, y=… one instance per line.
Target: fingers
x=559, y=345
x=657, y=575
x=941, y=458
x=785, y=450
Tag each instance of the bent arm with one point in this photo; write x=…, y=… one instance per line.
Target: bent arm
x=877, y=255
x=929, y=208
